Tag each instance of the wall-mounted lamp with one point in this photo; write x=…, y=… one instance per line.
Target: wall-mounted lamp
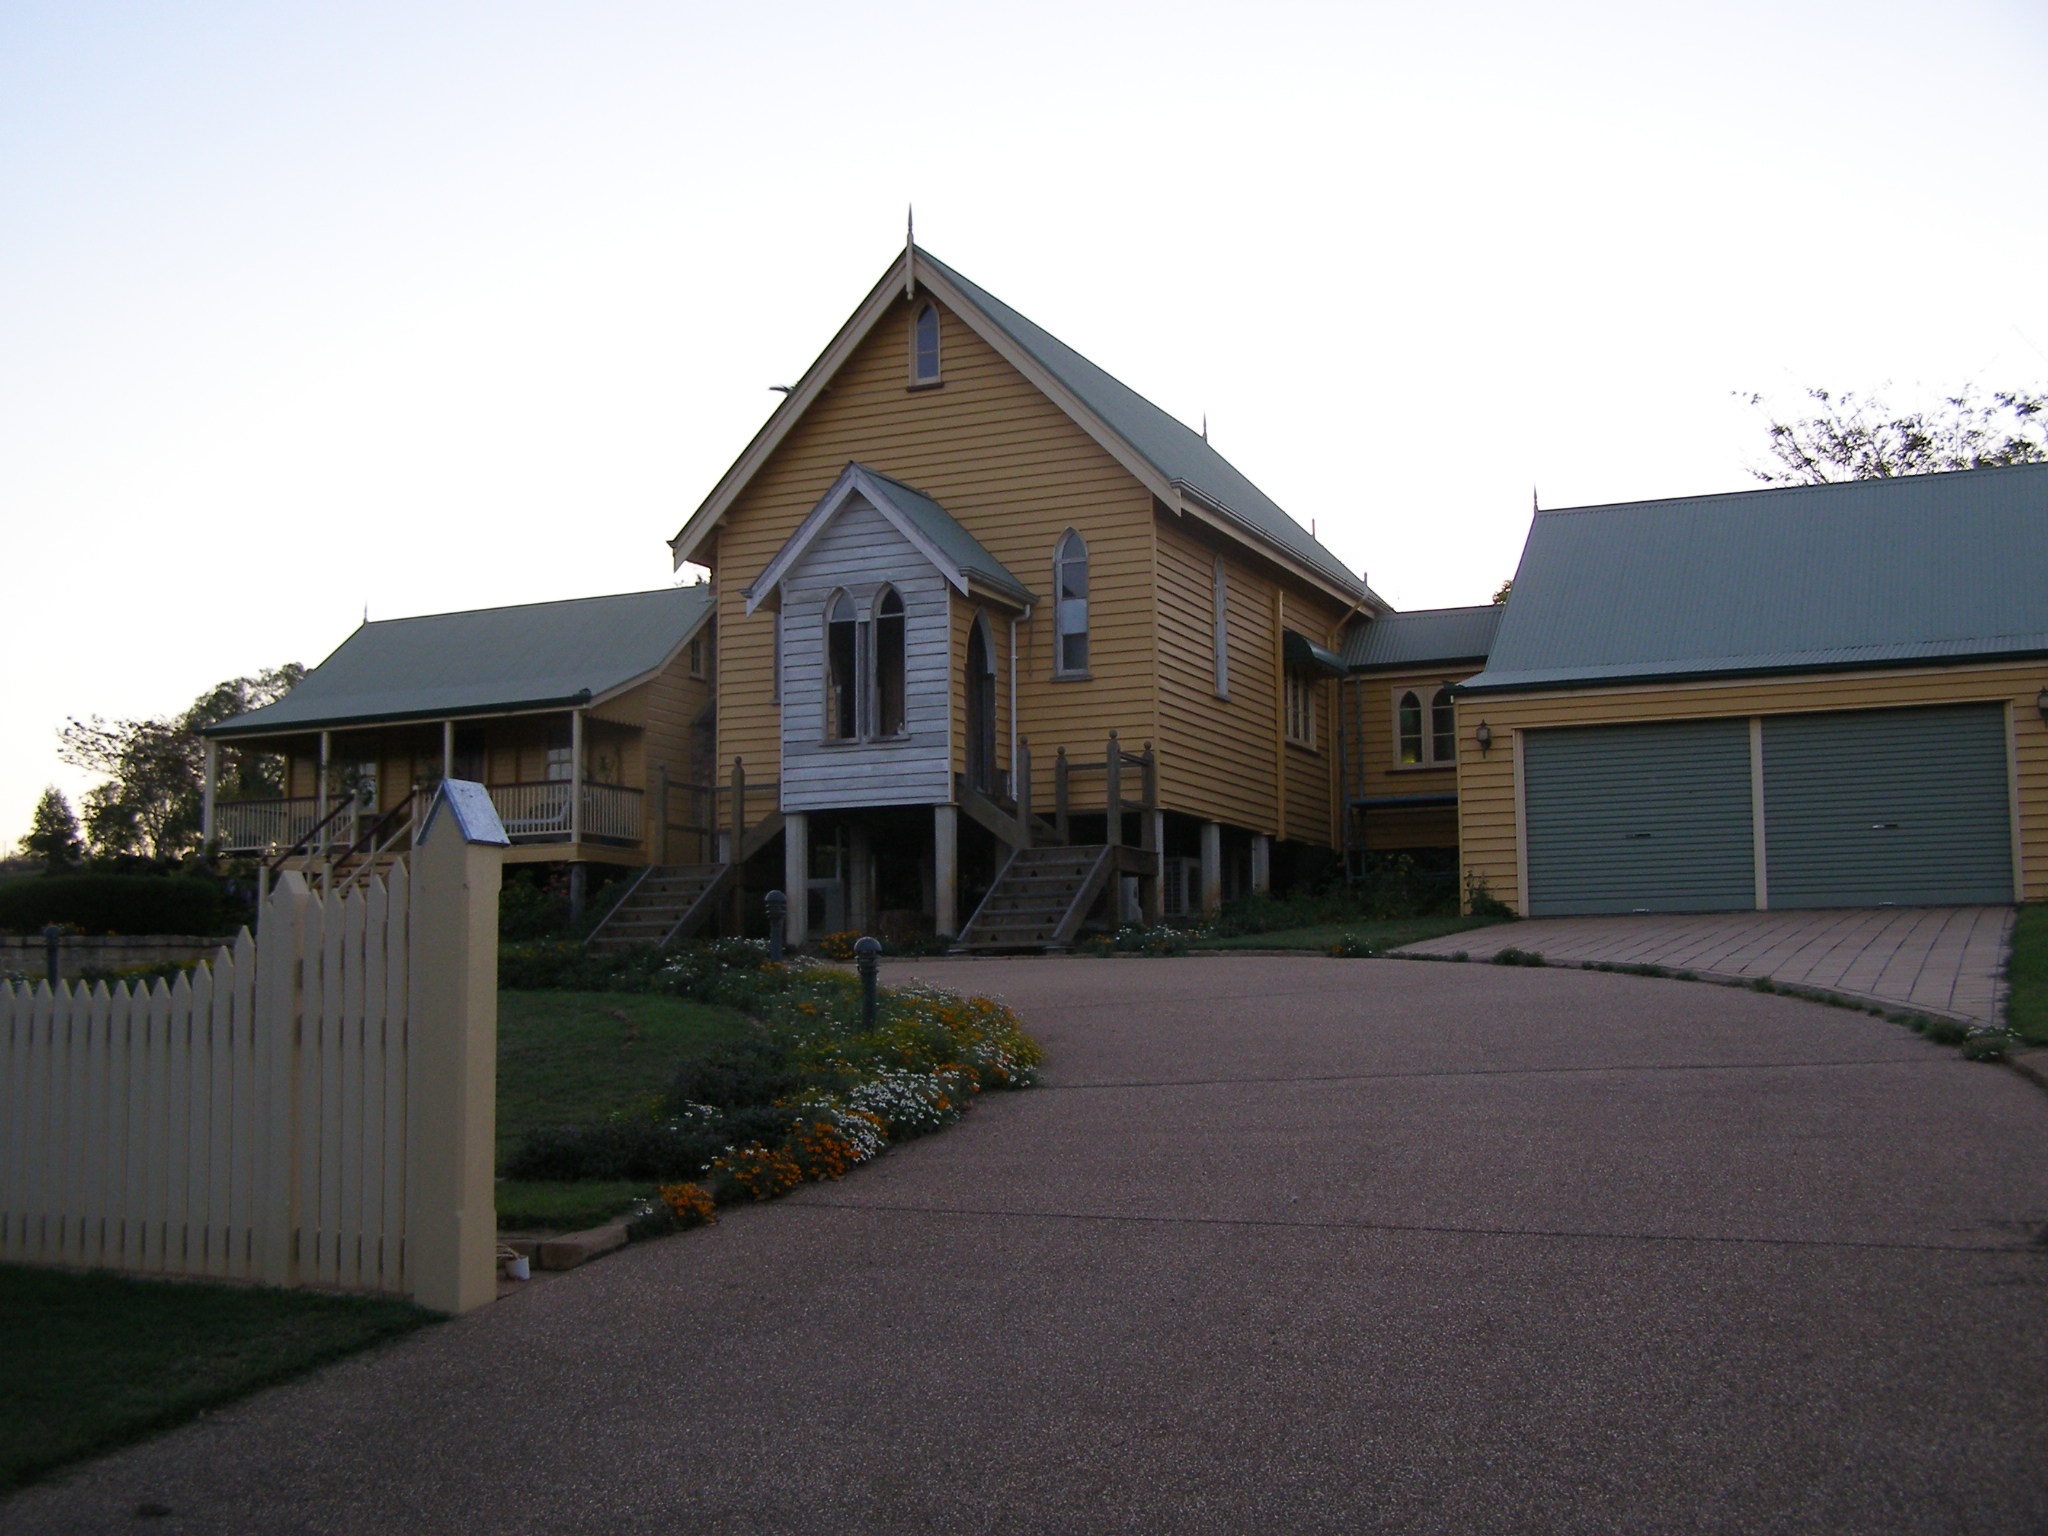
x=1483, y=733
x=2041, y=703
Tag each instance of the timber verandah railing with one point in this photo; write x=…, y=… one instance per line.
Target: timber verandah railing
x=541, y=812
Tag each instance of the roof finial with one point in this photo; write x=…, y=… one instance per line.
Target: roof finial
x=1533, y=505
x=909, y=251
x=1205, y=426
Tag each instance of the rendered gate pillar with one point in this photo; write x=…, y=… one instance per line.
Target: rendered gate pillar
x=796, y=877
x=451, y=1070
x=1262, y=862
x=1212, y=867
x=946, y=870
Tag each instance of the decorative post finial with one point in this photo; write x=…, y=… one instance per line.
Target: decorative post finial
x=909, y=251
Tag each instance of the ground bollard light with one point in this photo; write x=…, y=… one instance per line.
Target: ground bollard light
x=866, y=951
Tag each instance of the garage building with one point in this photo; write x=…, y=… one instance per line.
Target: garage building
x=1818, y=696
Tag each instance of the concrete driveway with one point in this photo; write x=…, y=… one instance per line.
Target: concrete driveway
x=1941, y=960
x=1291, y=1245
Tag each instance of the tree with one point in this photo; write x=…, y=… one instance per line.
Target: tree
x=1860, y=437
x=1505, y=589
x=155, y=769
x=53, y=837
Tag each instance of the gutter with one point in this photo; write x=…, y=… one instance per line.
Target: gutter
x=227, y=728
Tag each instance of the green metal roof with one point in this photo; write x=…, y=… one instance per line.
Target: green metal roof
x=485, y=661
x=944, y=530
x=1422, y=637
x=1181, y=455
x=1920, y=569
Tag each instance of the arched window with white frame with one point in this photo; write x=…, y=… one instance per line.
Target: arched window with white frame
x=842, y=669
x=1443, y=727
x=1070, y=606
x=889, y=663
x=924, y=347
x=1409, y=745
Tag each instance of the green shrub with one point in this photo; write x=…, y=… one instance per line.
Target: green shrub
x=119, y=904
x=1481, y=902
x=1514, y=956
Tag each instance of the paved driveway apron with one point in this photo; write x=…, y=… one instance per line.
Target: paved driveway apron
x=1294, y=1245
x=1943, y=960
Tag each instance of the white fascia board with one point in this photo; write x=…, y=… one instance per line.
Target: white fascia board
x=881, y=298
x=852, y=480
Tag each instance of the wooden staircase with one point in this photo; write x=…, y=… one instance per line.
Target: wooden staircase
x=667, y=903
x=1040, y=898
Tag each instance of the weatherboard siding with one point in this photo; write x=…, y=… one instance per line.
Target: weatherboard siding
x=1216, y=754
x=861, y=552
x=1488, y=847
x=1372, y=767
x=1016, y=472
x=1311, y=778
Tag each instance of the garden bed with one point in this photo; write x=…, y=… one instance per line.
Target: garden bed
x=669, y=1084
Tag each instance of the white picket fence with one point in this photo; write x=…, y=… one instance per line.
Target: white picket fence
x=283, y=1114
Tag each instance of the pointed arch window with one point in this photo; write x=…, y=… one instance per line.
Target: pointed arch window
x=842, y=669
x=924, y=347
x=889, y=658
x=1070, y=606
x=1443, y=727
x=1408, y=743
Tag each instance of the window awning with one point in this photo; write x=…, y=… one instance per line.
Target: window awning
x=1300, y=651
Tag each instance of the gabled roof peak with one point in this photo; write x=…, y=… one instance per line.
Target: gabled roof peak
x=1170, y=458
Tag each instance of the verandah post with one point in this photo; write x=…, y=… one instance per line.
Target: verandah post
x=1059, y=797
x=1113, y=794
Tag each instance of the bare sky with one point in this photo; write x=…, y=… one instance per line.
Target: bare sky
x=430, y=306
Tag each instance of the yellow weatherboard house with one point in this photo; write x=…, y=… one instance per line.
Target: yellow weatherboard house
x=993, y=648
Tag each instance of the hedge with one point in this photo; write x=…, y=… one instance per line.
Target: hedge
x=123, y=904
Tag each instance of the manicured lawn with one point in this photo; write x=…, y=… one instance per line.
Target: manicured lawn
x=565, y=1057
x=2026, y=973
x=90, y=1361
x=1382, y=935
x=571, y=1056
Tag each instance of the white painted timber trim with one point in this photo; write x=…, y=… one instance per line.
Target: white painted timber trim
x=852, y=481
x=911, y=269
x=1759, y=850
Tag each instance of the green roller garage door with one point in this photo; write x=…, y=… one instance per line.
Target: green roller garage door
x=1639, y=818
x=1896, y=805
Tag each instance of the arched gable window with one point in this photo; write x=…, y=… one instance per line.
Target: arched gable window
x=842, y=669
x=924, y=346
x=1070, y=605
x=1443, y=727
x=1408, y=746
x=889, y=663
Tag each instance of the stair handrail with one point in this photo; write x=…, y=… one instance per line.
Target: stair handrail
x=995, y=885
x=1084, y=897
x=612, y=911
x=376, y=849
